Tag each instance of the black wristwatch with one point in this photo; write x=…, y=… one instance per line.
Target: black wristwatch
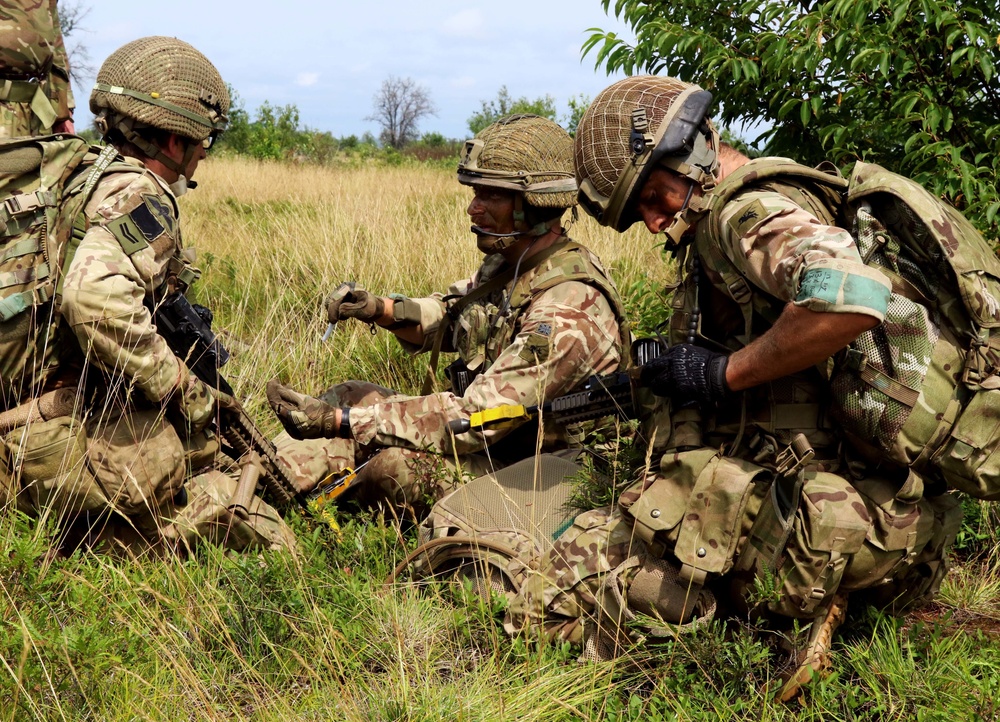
x=345, y=422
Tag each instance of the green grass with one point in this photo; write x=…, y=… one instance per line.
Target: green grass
x=315, y=635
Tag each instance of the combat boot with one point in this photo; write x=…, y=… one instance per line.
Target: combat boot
x=814, y=658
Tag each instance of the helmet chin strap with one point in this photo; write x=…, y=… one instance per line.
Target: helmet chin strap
x=686, y=217
x=489, y=242
x=126, y=126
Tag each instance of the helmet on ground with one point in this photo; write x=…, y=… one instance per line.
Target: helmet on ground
x=161, y=83
x=636, y=125
x=530, y=155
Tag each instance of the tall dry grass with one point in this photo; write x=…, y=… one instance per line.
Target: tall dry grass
x=274, y=239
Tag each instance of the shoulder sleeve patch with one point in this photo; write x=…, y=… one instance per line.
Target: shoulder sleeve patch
x=142, y=225
x=747, y=218
x=128, y=234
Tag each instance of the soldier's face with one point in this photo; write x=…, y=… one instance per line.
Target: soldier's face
x=177, y=147
x=661, y=198
x=492, y=209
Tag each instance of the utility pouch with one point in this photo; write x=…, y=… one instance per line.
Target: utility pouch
x=700, y=504
x=969, y=459
x=51, y=457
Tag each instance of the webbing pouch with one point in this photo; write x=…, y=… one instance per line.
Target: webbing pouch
x=699, y=502
x=969, y=460
x=713, y=521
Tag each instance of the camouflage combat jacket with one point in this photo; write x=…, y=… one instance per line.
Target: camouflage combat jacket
x=760, y=252
x=34, y=73
x=541, y=336
x=897, y=390
x=124, y=261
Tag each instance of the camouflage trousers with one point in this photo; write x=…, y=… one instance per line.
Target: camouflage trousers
x=128, y=482
x=870, y=537
x=405, y=480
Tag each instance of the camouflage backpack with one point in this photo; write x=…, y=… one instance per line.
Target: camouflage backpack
x=921, y=389
x=44, y=186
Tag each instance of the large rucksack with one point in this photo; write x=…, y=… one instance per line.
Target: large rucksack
x=45, y=183
x=930, y=404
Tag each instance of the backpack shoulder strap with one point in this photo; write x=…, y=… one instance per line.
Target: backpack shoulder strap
x=78, y=192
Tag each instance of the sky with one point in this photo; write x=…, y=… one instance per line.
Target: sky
x=329, y=58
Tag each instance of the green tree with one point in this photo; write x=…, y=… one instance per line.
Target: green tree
x=909, y=84
x=577, y=107
x=504, y=104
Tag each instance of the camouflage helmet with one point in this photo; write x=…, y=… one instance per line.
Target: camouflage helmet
x=524, y=153
x=634, y=126
x=163, y=83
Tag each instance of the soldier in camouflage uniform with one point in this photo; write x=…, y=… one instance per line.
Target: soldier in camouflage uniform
x=35, y=94
x=536, y=320
x=132, y=462
x=786, y=501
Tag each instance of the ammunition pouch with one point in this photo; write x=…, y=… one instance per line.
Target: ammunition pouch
x=699, y=507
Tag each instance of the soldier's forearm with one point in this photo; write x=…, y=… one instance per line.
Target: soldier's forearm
x=800, y=338
x=410, y=334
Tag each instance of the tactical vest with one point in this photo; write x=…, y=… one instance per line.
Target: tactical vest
x=899, y=388
x=487, y=326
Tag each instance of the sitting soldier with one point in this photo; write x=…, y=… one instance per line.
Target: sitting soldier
x=103, y=426
x=537, y=319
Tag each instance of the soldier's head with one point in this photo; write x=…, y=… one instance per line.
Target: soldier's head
x=161, y=100
x=645, y=149
x=521, y=172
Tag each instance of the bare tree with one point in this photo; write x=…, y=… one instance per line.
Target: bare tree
x=72, y=13
x=398, y=106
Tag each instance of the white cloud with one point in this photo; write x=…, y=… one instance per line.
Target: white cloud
x=464, y=23
x=307, y=79
x=465, y=81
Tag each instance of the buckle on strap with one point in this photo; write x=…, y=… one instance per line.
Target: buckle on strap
x=979, y=365
x=793, y=458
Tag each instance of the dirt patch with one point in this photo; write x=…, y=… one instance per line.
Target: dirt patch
x=953, y=620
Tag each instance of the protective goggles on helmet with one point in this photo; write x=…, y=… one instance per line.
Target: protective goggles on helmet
x=684, y=142
x=469, y=173
x=210, y=140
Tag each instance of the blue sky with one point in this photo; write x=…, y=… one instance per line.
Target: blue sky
x=329, y=58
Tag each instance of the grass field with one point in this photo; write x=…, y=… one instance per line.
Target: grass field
x=315, y=635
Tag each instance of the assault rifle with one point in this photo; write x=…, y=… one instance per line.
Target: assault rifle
x=188, y=332
x=611, y=395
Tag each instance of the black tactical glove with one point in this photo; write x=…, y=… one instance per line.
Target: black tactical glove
x=303, y=417
x=349, y=300
x=688, y=374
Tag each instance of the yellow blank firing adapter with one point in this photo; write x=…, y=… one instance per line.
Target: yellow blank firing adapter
x=490, y=417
